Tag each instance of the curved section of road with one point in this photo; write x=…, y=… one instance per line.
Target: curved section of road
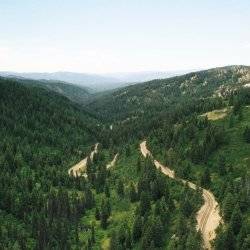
x=112, y=163
x=80, y=167
x=208, y=217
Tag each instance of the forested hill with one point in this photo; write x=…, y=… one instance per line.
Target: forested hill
x=73, y=92
x=157, y=96
x=136, y=110
x=39, y=109
x=42, y=135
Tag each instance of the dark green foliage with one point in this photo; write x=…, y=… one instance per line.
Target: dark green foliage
x=205, y=178
x=236, y=220
x=222, y=165
x=97, y=214
x=145, y=205
x=105, y=213
x=120, y=188
x=106, y=190
x=132, y=193
x=137, y=228
x=247, y=134
x=41, y=134
x=228, y=206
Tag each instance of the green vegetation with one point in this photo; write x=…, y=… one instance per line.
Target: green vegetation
x=131, y=205
x=75, y=93
x=215, y=154
x=42, y=134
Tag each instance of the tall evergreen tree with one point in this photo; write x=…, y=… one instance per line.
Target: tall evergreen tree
x=236, y=220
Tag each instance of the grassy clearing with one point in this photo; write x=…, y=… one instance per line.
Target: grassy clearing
x=217, y=114
x=236, y=151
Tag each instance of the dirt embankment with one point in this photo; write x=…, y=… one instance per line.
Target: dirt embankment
x=208, y=217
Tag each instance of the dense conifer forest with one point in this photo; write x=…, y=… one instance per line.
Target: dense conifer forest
x=197, y=124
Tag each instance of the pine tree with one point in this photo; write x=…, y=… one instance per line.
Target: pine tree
x=243, y=239
x=236, y=220
x=137, y=228
x=193, y=241
x=157, y=231
x=92, y=233
x=128, y=240
x=229, y=239
x=205, y=178
x=145, y=205
x=222, y=165
x=106, y=190
x=120, y=188
x=246, y=134
x=231, y=121
x=147, y=237
x=138, y=165
x=228, y=206
x=132, y=193
x=114, y=242
x=104, y=214
x=97, y=213
x=108, y=207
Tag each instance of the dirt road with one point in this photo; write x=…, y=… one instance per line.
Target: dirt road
x=208, y=217
x=80, y=167
x=112, y=163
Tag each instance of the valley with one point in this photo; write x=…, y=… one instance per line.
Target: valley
x=117, y=196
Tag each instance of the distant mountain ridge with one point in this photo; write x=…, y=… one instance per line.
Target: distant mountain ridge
x=95, y=82
x=143, y=76
x=73, y=92
x=91, y=81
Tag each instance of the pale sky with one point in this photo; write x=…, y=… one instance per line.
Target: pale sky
x=101, y=36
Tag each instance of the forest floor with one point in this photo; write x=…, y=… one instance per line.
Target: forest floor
x=208, y=217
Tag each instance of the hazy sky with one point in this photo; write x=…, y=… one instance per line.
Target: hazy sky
x=114, y=35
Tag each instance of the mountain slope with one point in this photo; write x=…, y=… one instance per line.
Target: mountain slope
x=29, y=104
x=42, y=135
x=157, y=95
x=73, y=92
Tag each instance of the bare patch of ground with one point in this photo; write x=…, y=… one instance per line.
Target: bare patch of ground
x=216, y=114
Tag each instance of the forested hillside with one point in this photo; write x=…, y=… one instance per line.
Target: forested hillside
x=197, y=124
x=212, y=153
x=215, y=154
x=139, y=108
x=42, y=133
x=73, y=92
x=42, y=207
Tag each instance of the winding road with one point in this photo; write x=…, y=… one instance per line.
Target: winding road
x=80, y=167
x=112, y=163
x=208, y=217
